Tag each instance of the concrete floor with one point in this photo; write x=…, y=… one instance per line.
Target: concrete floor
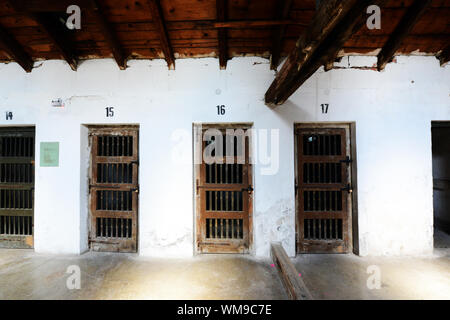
x=27, y=275
x=329, y=276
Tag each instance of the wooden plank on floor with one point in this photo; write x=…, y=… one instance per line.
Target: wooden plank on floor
x=294, y=285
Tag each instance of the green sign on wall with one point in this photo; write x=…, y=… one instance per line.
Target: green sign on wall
x=49, y=154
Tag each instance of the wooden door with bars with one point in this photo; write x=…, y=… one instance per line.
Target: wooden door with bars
x=224, y=198
x=323, y=190
x=17, y=187
x=114, y=189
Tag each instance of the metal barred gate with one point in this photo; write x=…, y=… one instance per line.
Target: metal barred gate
x=114, y=189
x=17, y=187
x=323, y=190
x=224, y=199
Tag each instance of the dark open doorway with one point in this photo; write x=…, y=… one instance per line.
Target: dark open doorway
x=440, y=132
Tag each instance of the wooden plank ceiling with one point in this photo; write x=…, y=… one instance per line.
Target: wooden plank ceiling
x=33, y=30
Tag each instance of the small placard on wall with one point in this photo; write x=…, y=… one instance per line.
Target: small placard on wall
x=49, y=154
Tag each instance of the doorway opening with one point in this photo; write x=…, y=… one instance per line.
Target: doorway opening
x=113, y=188
x=440, y=133
x=223, y=188
x=17, y=187
x=325, y=188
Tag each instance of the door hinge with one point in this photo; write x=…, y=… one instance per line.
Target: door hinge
x=347, y=160
x=249, y=189
x=135, y=190
x=348, y=188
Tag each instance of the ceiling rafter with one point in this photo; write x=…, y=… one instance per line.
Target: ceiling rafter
x=444, y=56
x=333, y=24
x=58, y=34
x=55, y=30
x=406, y=24
x=283, y=7
x=15, y=50
x=158, y=20
x=109, y=35
x=222, y=33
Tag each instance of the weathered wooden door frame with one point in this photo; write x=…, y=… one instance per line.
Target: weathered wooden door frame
x=350, y=127
x=20, y=238
x=124, y=245
x=197, y=154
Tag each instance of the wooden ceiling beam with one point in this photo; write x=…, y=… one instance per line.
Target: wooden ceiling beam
x=48, y=5
x=158, y=20
x=444, y=55
x=15, y=50
x=255, y=23
x=333, y=24
x=278, y=33
x=58, y=34
x=109, y=35
x=222, y=33
x=55, y=30
x=407, y=23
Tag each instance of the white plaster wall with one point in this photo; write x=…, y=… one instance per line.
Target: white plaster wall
x=393, y=111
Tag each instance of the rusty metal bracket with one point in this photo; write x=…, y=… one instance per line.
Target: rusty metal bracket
x=347, y=160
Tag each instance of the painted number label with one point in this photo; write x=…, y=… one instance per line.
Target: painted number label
x=324, y=107
x=220, y=110
x=9, y=115
x=109, y=112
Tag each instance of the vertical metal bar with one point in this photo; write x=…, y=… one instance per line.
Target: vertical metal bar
x=319, y=141
x=238, y=228
x=126, y=227
x=314, y=228
x=117, y=146
x=130, y=146
x=320, y=228
x=106, y=138
x=210, y=194
x=235, y=229
x=335, y=229
x=232, y=173
x=215, y=173
x=314, y=200
x=233, y=202
x=226, y=228
x=215, y=194
x=309, y=229
x=227, y=194
x=210, y=229
x=306, y=199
